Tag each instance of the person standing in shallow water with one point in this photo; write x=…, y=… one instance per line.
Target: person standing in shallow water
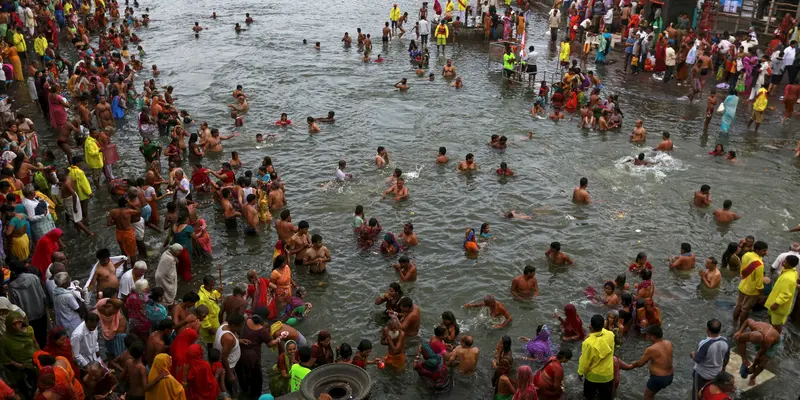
x=580, y=195
x=659, y=356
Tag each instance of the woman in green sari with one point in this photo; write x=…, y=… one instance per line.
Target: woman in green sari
x=279, y=375
x=16, y=354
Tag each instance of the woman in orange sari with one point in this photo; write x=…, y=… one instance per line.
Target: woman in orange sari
x=281, y=276
x=12, y=56
x=573, y=25
x=65, y=375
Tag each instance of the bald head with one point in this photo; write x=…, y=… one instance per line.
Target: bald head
x=58, y=257
x=56, y=268
x=466, y=341
x=796, y=246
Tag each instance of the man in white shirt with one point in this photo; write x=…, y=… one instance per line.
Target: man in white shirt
x=789, y=55
x=129, y=278
x=584, y=27
x=340, y=176
x=84, y=341
x=777, y=266
x=182, y=190
x=424, y=30
x=669, y=60
x=530, y=63
x=553, y=21
x=65, y=303
x=50, y=283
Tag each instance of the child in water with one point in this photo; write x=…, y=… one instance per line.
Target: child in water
x=140, y=50
x=156, y=72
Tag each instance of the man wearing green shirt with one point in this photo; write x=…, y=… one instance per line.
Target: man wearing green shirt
x=508, y=62
x=299, y=371
x=151, y=151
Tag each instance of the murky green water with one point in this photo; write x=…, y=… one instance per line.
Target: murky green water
x=281, y=75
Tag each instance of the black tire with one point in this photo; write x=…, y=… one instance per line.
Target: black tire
x=341, y=381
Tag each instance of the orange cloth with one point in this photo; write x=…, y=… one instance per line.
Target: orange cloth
x=282, y=278
x=471, y=246
x=395, y=361
x=66, y=376
x=127, y=242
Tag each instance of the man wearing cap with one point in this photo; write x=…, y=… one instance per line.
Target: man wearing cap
x=394, y=15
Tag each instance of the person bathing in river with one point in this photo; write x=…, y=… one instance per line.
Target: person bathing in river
x=525, y=286
x=556, y=256
x=686, y=260
x=496, y=310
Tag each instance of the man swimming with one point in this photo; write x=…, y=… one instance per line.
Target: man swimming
x=496, y=310
x=725, y=215
x=468, y=164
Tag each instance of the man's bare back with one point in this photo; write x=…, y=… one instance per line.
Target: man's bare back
x=466, y=358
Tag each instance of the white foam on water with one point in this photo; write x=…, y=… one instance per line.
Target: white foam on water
x=413, y=174
x=664, y=163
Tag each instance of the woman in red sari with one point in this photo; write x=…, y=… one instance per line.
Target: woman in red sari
x=573, y=24
x=58, y=345
x=661, y=54
x=179, y=348
x=45, y=247
x=633, y=25
x=196, y=376
x=48, y=388
x=571, y=324
x=785, y=26
x=58, y=107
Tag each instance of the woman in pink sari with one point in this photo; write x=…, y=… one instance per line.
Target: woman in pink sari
x=58, y=107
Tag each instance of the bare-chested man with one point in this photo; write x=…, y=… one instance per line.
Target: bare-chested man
x=250, y=215
x=556, y=256
x=105, y=276
x=765, y=337
x=441, y=156
x=711, y=276
x=525, y=286
x=318, y=256
x=84, y=113
x=284, y=227
x=156, y=342
x=449, y=71
x=684, y=261
x=465, y=356
x=703, y=197
x=64, y=133
x=409, y=237
x=725, y=215
x=228, y=211
x=122, y=217
x=235, y=303
x=496, y=310
x=276, y=199
x=241, y=105
x=410, y=317
x=710, y=106
x=666, y=143
x=399, y=190
x=214, y=142
x=580, y=195
x=639, y=133
x=135, y=374
x=659, y=355
x=103, y=112
x=299, y=243
x=406, y=269
x=72, y=202
x=468, y=164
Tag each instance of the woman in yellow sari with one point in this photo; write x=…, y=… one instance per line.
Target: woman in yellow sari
x=281, y=276
x=10, y=53
x=167, y=388
x=17, y=231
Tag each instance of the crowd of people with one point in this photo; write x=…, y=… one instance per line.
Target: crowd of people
x=122, y=334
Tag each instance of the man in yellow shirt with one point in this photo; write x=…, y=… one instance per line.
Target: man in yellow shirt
x=82, y=185
x=40, y=46
x=758, y=108
x=94, y=156
x=563, y=55
x=597, y=361
x=752, y=284
x=394, y=15
x=209, y=297
x=779, y=301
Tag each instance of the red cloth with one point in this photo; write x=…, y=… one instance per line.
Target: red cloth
x=202, y=385
x=5, y=391
x=66, y=351
x=45, y=247
x=634, y=267
x=437, y=8
x=262, y=297
x=201, y=177
x=179, y=349
x=572, y=324
x=185, y=265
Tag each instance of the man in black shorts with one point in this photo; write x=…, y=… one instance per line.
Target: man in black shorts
x=659, y=355
x=386, y=32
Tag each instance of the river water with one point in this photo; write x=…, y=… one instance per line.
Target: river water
x=645, y=209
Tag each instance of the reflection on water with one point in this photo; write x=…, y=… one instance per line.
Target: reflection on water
x=634, y=209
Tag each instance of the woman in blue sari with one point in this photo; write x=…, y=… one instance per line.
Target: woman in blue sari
x=603, y=48
x=729, y=115
x=117, y=106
